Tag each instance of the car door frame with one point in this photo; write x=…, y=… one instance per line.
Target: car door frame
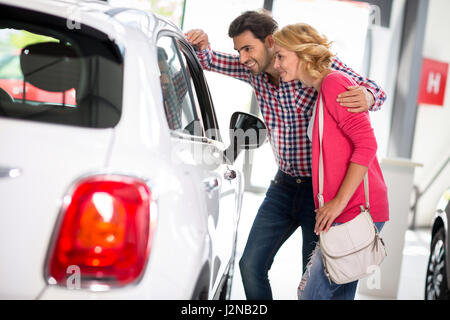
x=212, y=128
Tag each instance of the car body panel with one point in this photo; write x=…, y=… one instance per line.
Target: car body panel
x=58, y=158
x=189, y=220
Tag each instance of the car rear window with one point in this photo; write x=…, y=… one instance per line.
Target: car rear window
x=50, y=73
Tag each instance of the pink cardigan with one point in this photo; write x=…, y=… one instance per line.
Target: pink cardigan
x=348, y=137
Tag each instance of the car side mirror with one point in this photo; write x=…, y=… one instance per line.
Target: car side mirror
x=246, y=132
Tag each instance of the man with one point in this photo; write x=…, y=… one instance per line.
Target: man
x=287, y=109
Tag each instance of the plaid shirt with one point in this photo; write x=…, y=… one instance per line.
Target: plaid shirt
x=174, y=93
x=286, y=109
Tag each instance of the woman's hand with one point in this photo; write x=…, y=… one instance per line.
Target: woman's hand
x=326, y=215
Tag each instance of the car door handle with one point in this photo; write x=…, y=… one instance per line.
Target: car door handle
x=211, y=184
x=230, y=175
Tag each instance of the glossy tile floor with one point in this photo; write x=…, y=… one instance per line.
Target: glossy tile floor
x=285, y=273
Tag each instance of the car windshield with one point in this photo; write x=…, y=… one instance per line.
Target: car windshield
x=54, y=76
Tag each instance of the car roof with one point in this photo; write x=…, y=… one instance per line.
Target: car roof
x=99, y=14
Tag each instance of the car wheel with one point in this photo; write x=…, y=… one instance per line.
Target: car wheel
x=436, y=279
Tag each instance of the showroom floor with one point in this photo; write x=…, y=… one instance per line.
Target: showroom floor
x=284, y=275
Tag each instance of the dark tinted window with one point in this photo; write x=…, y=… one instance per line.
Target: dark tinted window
x=56, y=75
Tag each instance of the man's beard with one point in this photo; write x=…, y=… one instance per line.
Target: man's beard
x=261, y=68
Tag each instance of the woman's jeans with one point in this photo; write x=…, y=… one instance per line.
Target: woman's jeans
x=288, y=204
x=316, y=286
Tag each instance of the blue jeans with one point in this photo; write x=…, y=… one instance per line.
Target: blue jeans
x=315, y=284
x=288, y=204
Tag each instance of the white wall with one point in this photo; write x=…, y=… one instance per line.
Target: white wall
x=343, y=23
x=432, y=133
x=383, y=70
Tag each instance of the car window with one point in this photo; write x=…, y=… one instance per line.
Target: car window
x=56, y=76
x=12, y=42
x=180, y=102
x=201, y=92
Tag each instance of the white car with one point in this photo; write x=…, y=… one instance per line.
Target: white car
x=114, y=180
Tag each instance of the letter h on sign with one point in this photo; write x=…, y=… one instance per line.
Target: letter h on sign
x=432, y=82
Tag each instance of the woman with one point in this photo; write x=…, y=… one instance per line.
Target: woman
x=348, y=149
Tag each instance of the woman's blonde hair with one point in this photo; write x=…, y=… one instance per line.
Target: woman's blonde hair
x=312, y=48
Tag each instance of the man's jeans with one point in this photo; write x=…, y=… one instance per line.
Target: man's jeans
x=315, y=284
x=288, y=204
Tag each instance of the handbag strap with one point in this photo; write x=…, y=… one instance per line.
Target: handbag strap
x=320, y=194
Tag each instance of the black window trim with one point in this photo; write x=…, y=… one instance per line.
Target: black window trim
x=188, y=84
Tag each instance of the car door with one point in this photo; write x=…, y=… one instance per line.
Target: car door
x=197, y=141
x=231, y=192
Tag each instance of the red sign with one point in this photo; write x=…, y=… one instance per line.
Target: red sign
x=432, y=82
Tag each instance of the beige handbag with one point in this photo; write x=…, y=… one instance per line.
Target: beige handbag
x=350, y=250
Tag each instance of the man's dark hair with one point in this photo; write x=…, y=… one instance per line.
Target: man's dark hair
x=260, y=24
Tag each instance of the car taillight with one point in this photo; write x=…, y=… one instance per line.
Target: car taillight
x=105, y=230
